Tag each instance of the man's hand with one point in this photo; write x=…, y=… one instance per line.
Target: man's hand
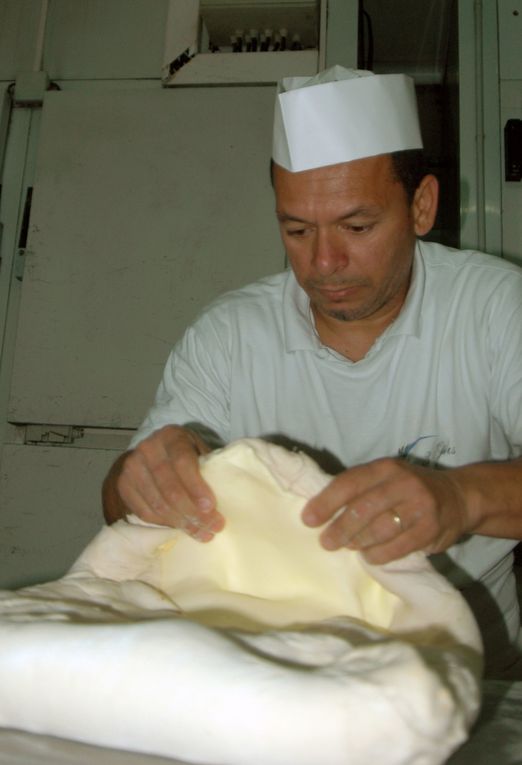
x=389, y=508
x=160, y=482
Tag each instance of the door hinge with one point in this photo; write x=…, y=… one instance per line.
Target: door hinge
x=52, y=435
x=74, y=436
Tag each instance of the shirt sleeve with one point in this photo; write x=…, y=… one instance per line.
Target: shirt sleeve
x=195, y=388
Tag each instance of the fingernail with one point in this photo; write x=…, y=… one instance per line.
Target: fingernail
x=329, y=543
x=205, y=504
x=216, y=524
x=204, y=536
x=310, y=518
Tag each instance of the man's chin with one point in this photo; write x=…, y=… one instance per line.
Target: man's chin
x=343, y=315
x=344, y=312
x=341, y=312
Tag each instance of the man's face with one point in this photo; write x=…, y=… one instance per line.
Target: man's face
x=349, y=235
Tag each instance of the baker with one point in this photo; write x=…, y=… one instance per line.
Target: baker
x=395, y=362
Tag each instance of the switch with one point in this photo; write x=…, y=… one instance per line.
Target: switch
x=513, y=150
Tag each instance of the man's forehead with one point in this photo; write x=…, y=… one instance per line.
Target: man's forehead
x=379, y=167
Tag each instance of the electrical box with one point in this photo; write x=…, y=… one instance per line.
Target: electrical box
x=235, y=42
x=263, y=26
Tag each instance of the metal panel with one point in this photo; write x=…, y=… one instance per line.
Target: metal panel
x=19, y=21
x=480, y=162
x=16, y=179
x=98, y=39
x=510, y=38
x=50, y=508
x=341, y=33
x=146, y=205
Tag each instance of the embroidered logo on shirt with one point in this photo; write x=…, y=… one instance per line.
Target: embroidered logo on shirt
x=426, y=449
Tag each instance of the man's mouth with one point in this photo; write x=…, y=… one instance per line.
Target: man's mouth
x=338, y=292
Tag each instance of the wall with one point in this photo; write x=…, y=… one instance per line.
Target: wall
x=86, y=40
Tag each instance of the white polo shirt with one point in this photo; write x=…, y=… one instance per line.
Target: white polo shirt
x=443, y=384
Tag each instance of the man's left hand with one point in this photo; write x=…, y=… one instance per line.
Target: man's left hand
x=389, y=508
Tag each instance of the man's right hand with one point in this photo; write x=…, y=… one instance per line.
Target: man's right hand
x=160, y=482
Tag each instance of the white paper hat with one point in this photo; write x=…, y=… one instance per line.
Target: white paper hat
x=343, y=114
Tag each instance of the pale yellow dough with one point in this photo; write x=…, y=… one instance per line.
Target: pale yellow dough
x=266, y=567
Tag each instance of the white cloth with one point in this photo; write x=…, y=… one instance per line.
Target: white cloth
x=443, y=383
x=103, y=656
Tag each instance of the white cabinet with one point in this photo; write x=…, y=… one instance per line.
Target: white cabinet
x=146, y=205
x=46, y=523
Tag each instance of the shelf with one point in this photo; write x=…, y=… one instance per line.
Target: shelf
x=242, y=68
x=228, y=4
x=195, y=28
x=224, y=18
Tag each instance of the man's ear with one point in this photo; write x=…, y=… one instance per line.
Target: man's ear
x=424, y=205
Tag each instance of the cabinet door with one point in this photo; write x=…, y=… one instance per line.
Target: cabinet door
x=147, y=204
x=50, y=508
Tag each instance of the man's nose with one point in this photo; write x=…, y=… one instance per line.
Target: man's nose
x=330, y=253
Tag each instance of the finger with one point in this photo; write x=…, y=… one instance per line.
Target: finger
x=184, y=473
x=155, y=511
x=172, y=458
x=416, y=537
x=343, y=490
x=180, y=503
x=414, y=531
x=378, y=529
x=181, y=449
x=394, y=549
x=369, y=517
x=382, y=514
x=139, y=492
x=144, y=485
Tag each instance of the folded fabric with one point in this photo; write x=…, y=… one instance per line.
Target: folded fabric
x=259, y=647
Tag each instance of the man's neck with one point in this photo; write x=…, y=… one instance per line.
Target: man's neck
x=353, y=339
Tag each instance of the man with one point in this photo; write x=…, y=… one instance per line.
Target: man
x=399, y=359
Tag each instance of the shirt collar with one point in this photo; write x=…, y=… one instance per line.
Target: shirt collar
x=409, y=320
x=299, y=329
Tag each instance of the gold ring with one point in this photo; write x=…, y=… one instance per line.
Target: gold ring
x=396, y=518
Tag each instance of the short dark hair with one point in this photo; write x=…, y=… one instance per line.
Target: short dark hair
x=409, y=168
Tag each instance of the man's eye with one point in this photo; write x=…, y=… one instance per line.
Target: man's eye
x=361, y=229
x=296, y=232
